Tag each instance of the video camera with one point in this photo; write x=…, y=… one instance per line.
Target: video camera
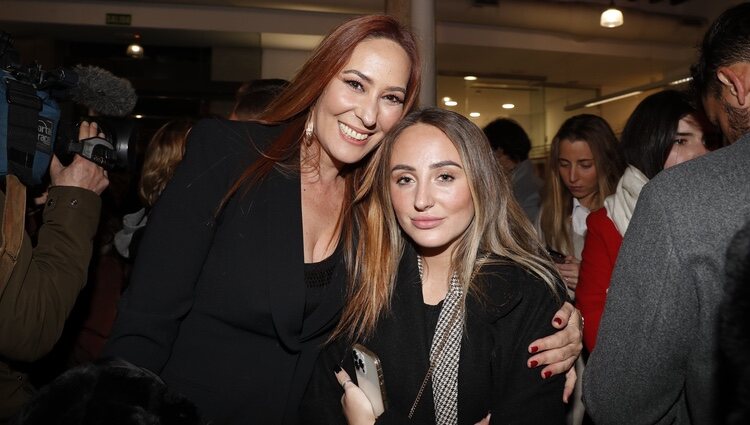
x=30, y=130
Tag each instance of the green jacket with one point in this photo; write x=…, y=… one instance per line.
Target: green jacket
x=43, y=287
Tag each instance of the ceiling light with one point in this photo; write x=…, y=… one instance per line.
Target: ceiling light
x=613, y=98
x=611, y=17
x=446, y=99
x=470, y=78
x=508, y=106
x=138, y=116
x=135, y=50
x=451, y=103
x=474, y=114
x=681, y=81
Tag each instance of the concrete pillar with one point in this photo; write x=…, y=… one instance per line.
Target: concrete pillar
x=399, y=8
x=420, y=16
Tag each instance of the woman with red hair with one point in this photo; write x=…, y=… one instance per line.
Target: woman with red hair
x=243, y=270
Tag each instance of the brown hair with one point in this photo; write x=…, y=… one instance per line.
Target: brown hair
x=499, y=231
x=557, y=202
x=164, y=152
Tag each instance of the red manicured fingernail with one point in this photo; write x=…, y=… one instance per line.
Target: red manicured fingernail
x=558, y=320
x=547, y=374
x=534, y=349
x=533, y=363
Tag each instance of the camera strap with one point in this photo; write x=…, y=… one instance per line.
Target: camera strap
x=11, y=227
x=24, y=107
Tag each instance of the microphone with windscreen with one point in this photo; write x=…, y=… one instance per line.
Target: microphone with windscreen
x=95, y=88
x=30, y=117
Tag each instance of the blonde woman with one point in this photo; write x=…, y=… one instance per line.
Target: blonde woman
x=583, y=168
x=452, y=288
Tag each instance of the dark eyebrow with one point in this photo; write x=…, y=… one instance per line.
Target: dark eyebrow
x=368, y=80
x=403, y=167
x=447, y=163
x=690, y=133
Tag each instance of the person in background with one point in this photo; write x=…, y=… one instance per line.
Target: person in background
x=734, y=334
x=463, y=284
x=511, y=146
x=663, y=131
x=659, y=334
x=253, y=98
x=40, y=284
x=583, y=168
x=163, y=153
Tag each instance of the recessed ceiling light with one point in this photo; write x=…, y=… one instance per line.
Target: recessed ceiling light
x=474, y=114
x=508, y=106
x=446, y=99
x=139, y=116
x=451, y=103
x=470, y=78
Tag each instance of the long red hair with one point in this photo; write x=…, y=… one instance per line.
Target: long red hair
x=327, y=60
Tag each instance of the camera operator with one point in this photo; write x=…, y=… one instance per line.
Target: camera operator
x=39, y=286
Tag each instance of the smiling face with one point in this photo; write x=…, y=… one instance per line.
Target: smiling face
x=578, y=170
x=362, y=102
x=429, y=189
x=688, y=144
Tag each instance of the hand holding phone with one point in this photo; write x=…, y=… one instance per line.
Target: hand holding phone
x=370, y=377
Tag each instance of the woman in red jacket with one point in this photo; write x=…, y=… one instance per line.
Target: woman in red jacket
x=663, y=131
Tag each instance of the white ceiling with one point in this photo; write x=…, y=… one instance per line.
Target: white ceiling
x=554, y=41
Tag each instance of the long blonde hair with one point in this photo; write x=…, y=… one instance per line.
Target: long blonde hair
x=557, y=201
x=499, y=226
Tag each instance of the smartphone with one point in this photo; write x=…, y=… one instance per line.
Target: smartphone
x=370, y=377
x=557, y=257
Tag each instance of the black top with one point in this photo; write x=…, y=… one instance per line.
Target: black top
x=318, y=277
x=216, y=305
x=516, y=309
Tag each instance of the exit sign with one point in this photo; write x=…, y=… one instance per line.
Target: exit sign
x=118, y=19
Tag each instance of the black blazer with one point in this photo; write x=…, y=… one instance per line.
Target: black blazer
x=515, y=310
x=216, y=305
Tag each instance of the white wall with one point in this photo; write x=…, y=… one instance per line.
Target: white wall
x=282, y=63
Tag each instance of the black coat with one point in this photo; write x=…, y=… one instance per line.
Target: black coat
x=516, y=309
x=215, y=306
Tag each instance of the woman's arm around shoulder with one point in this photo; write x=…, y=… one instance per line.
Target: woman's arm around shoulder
x=520, y=394
x=321, y=404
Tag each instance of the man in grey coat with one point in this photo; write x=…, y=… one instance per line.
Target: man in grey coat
x=656, y=356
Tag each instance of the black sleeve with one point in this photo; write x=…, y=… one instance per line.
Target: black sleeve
x=322, y=401
x=177, y=239
x=520, y=394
